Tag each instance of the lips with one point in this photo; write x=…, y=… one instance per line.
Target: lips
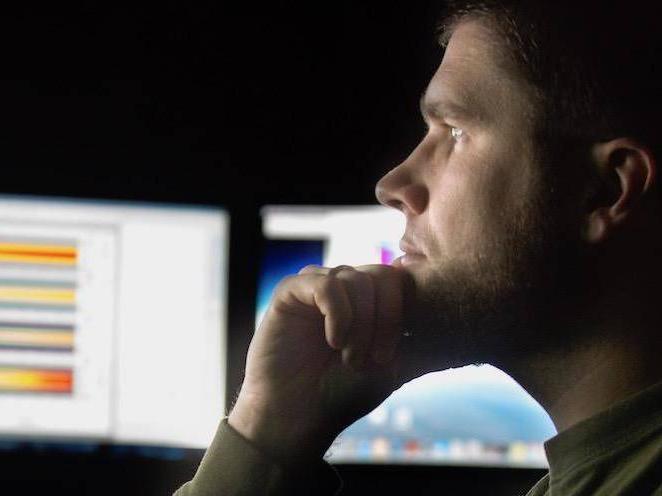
x=410, y=249
x=412, y=254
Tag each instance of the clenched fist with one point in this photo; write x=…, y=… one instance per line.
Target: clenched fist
x=324, y=356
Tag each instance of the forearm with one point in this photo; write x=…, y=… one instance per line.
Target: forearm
x=233, y=466
x=308, y=376
x=279, y=436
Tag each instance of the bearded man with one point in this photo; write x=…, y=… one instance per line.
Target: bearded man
x=533, y=243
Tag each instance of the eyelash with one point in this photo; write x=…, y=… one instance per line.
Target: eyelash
x=450, y=131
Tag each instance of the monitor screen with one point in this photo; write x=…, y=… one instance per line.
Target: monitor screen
x=475, y=415
x=112, y=322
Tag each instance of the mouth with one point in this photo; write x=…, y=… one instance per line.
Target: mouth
x=412, y=255
x=407, y=260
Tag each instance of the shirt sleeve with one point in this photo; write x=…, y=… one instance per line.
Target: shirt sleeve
x=232, y=466
x=541, y=488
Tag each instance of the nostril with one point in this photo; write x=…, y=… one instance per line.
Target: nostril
x=388, y=199
x=397, y=204
x=399, y=189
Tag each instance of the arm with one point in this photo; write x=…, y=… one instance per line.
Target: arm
x=232, y=465
x=322, y=358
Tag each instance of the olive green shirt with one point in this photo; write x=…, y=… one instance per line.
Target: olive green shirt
x=232, y=466
x=616, y=452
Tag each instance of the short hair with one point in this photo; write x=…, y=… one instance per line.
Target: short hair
x=594, y=65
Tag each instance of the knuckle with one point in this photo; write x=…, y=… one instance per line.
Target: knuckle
x=341, y=270
x=327, y=284
x=328, y=288
x=354, y=276
x=287, y=283
x=309, y=268
x=284, y=283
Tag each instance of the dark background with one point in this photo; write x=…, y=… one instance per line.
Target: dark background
x=216, y=103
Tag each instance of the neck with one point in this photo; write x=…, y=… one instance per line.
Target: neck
x=617, y=357
x=575, y=387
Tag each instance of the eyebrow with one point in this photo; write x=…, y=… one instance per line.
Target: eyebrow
x=445, y=108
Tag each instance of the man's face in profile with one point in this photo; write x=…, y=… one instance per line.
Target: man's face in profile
x=481, y=222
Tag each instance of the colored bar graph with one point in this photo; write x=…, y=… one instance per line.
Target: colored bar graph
x=26, y=272
x=36, y=294
x=34, y=380
x=62, y=284
x=38, y=288
x=36, y=337
x=33, y=253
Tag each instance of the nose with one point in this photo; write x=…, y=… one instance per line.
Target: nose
x=401, y=188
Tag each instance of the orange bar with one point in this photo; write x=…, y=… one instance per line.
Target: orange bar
x=36, y=259
x=35, y=380
x=35, y=249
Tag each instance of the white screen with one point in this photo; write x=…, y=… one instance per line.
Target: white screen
x=112, y=321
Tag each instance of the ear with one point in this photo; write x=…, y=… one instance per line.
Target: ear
x=628, y=170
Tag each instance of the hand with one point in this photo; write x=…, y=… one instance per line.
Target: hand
x=322, y=358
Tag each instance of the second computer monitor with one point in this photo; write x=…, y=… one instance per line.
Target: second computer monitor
x=467, y=416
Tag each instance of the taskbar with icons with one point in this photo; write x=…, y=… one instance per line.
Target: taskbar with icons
x=471, y=452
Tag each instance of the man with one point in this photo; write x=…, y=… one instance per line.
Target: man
x=533, y=243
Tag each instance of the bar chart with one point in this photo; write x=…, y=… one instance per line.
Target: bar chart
x=57, y=276
x=98, y=300
x=26, y=380
x=36, y=336
x=38, y=284
x=37, y=252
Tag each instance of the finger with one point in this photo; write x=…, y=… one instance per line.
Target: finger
x=338, y=322
x=314, y=269
x=333, y=301
x=322, y=294
x=360, y=290
x=388, y=286
x=333, y=295
x=387, y=307
x=318, y=269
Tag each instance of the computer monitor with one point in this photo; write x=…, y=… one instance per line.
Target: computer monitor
x=112, y=322
x=475, y=415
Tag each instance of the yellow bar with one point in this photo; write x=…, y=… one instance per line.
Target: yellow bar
x=37, y=294
x=7, y=257
x=59, y=249
x=35, y=380
x=22, y=337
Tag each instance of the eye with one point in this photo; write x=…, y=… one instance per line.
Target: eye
x=456, y=132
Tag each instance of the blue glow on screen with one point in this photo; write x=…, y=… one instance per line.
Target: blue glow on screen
x=281, y=259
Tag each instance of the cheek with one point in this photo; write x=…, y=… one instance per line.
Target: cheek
x=457, y=213
x=472, y=203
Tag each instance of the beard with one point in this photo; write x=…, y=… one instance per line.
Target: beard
x=507, y=301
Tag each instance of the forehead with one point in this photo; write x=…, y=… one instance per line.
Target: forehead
x=476, y=72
